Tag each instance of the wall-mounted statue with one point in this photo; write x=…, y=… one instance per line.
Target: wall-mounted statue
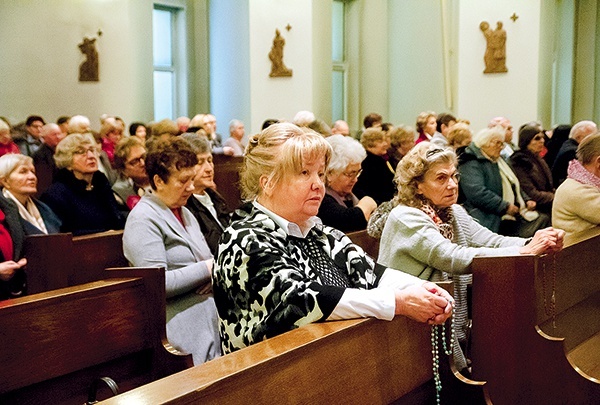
x=278, y=68
x=495, y=51
x=88, y=70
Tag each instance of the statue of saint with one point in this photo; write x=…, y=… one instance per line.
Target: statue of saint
x=278, y=68
x=495, y=51
x=88, y=70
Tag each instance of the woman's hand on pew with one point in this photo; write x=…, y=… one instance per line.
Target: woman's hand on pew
x=545, y=240
x=424, y=303
x=8, y=268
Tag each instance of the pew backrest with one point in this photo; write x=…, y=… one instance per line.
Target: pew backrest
x=56, y=343
x=227, y=178
x=516, y=348
x=61, y=260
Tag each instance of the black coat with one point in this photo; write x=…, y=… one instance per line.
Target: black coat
x=209, y=226
x=535, y=178
x=83, y=211
x=567, y=152
x=376, y=180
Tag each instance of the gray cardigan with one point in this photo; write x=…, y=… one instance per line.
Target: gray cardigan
x=412, y=242
x=153, y=237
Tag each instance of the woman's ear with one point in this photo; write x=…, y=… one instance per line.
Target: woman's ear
x=265, y=185
x=158, y=182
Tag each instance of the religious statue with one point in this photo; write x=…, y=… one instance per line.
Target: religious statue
x=495, y=51
x=278, y=68
x=88, y=70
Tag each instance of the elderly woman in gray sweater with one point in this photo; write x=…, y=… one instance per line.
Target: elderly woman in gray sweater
x=429, y=236
x=161, y=232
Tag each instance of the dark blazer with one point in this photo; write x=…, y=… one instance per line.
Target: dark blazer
x=83, y=211
x=51, y=220
x=16, y=286
x=209, y=226
x=339, y=216
x=535, y=178
x=376, y=180
x=45, y=167
x=567, y=152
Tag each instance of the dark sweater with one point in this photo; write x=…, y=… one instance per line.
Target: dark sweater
x=83, y=211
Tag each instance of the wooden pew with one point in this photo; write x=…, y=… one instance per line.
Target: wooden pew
x=368, y=243
x=61, y=260
x=360, y=361
x=227, y=178
x=55, y=344
x=515, y=347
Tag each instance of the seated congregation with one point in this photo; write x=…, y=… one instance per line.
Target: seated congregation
x=437, y=198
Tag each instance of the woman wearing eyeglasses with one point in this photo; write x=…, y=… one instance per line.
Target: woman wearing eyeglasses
x=133, y=182
x=492, y=191
x=340, y=208
x=533, y=171
x=81, y=195
x=428, y=235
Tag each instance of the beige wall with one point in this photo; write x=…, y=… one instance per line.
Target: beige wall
x=39, y=59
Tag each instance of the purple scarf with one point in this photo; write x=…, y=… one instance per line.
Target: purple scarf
x=580, y=174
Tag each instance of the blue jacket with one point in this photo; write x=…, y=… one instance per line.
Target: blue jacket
x=481, y=187
x=51, y=220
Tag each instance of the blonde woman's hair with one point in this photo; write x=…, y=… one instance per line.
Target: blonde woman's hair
x=370, y=136
x=278, y=151
x=411, y=171
x=458, y=133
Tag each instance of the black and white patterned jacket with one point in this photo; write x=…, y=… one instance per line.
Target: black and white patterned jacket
x=263, y=285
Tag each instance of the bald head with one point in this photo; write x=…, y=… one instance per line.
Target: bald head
x=504, y=123
x=582, y=129
x=340, y=127
x=52, y=135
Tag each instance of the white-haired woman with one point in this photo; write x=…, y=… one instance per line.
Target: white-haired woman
x=81, y=195
x=19, y=185
x=492, y=192
x=429, y=236
x=278, y=269
x=340, y=208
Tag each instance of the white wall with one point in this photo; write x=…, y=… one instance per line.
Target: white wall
x=39, y=59
x=416, y=70
x=513, y=94
x=229, y=63
x=280, y=97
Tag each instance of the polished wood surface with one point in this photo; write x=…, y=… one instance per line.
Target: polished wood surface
x=54, y=344
x=368, y=243
x=361, y=361
x=227, y=178
x=61, y=260
x=515, y=347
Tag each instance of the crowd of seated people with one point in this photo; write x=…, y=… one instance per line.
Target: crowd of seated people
x=157, y=183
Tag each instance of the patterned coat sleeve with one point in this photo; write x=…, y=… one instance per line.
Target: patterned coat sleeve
x=264, y=286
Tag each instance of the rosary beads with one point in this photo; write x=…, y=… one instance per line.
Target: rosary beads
x=435, y=334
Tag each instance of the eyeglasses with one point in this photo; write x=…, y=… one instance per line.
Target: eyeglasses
x=352, y=175
x=137, y=161
x=444, y=179
x=538, y=137
x=84, y=151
